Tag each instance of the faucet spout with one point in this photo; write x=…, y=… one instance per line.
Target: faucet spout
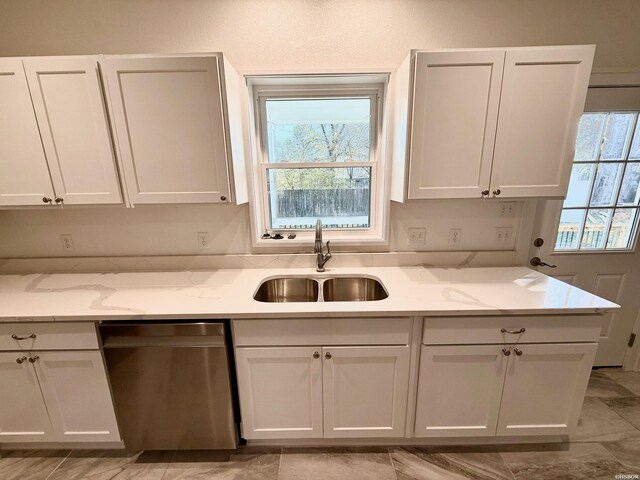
x=321, y=257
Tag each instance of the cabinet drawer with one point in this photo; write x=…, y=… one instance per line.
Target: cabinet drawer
x=48, y=336
x=535, y=329
x=322, y=331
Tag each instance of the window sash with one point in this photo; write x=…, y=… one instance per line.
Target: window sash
x=262, y=95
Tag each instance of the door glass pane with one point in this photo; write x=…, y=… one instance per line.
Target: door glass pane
x=604, y=188
x=594, y=229
x=570, y=229
x=621, y=233
x=318, y=130
x=634, y=153
x=617, y=133
x=590, y=136
x=629, y=191
x=580, y=185
x=340, y=197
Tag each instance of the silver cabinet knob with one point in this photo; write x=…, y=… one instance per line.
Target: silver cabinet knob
x=34, y=358
x=59, y=200
x=485, y=193
x=223, y=198
x=21, y=360
x=327, y=355
x=506, y=352
x=316, y=355
x=518, y=352
x=46, y=200
x=496, y=192
x=16, y=337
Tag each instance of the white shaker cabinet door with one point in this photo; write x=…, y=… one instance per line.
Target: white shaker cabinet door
x=24, y=175
x=76, y=390
x=280, y=392
x=365, y=391
x=459, y=390
x=68, y=101
x=23, y=414
x=543, y=95
x=453, y=122
x=169, y=122
x=544, y=388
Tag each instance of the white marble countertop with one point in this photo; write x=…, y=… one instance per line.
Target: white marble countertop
x=229, y=294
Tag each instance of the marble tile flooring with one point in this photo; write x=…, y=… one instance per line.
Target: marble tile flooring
x=606, y=444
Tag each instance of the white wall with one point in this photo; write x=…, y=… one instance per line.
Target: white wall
x=286, y=35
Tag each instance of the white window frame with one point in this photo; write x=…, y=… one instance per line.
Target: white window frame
x=312, y=87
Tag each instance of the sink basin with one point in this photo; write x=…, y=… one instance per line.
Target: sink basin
x=353, y=289
x=288, y=289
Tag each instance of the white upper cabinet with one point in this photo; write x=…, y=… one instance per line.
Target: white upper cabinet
x=543, y=96
x=70, y=109
x=495, y=122
x=169, y=124
x=24, y=176
x=455, y=107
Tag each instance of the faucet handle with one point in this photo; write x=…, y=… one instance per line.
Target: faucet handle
x=328, y=249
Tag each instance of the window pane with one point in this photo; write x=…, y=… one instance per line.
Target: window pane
x=634, y=153
x=340, y=197
x=594, y=229
x=604, y=188
x=621, y=233
x=589, y=136
x=318, y=130
x=579, y=185
x=570, y=229
x=629, y=191
x=615, y=138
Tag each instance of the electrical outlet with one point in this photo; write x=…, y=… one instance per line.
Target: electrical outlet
x=417, y=236
x=455, y=237
x=506, y=209
x=504, y=235
x=67, y=242
x=203, y=240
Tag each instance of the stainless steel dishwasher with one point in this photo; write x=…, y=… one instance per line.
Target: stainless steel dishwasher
x=171, y=383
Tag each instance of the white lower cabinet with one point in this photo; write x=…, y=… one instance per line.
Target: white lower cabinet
x=56, y=395
x=544, y=388
x=23, y=413
x=504, y=390
x=459, y=390
x=291, y=392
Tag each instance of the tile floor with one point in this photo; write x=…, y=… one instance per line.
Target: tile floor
x=606, y=444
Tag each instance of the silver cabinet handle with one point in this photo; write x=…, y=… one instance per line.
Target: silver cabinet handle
x=59, y=200
x=514, y=332
x=316, y=355
x=506, y=352
x=34, y=358
x=518, y=352
x=327, y=355
x=485, y=193
x=46, y=200
x=21, y=360
x=496, y=192
x=16, y=337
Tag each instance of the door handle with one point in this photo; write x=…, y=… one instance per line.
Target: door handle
x=536, y=262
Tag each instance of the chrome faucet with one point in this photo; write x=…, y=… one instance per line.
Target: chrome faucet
x=322, y=258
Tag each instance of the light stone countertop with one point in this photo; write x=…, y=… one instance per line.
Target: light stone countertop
x=228, y=293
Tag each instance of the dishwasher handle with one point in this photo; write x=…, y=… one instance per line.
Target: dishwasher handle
x=157, y=334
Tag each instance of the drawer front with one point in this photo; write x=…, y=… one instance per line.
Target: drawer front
x=517, y=329
x=48, y=336
x=321, y=331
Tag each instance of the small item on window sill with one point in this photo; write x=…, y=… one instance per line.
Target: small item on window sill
x=277, y=236
x=266, y=235
x=291, y=236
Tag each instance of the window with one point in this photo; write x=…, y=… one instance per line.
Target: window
x=319, y=157
x=601, y=209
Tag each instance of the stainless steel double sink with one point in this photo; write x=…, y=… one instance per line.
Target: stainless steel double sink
x=312, y=289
